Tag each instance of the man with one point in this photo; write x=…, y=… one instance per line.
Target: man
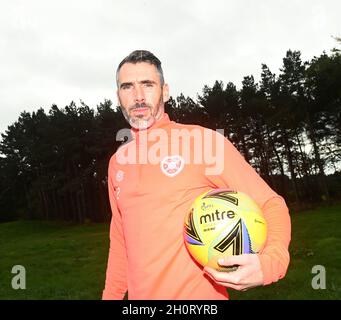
x=151, y=186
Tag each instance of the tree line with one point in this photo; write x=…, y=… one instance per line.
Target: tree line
x=288, y=127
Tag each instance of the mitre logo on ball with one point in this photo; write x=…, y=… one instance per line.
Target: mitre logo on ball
x=222, y=222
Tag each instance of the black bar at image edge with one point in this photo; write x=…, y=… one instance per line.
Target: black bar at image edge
x=162, y=309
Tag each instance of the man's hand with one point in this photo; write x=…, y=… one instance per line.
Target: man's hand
x=248, y=275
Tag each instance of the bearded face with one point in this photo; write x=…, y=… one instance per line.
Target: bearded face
x=141, y=94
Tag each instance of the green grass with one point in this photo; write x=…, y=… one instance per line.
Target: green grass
x=62, y=261
x=65, y=261
x=316, y=240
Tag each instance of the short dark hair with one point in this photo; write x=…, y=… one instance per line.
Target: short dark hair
x=142, y=56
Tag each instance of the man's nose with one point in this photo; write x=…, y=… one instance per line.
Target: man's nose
x=139, y=94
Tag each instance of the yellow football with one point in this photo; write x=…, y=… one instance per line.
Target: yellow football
x=221, y=223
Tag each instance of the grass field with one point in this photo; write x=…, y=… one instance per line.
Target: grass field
x=64, y=261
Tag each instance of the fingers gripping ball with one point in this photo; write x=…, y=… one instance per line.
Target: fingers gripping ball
x=221, y=223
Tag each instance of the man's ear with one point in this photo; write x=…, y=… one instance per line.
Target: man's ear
x=118, y=98
x=165, y=92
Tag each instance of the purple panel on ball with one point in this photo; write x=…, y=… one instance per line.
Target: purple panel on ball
x=190, y=240
x=246, y=240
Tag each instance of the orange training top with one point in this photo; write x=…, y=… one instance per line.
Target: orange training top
x=149, y=201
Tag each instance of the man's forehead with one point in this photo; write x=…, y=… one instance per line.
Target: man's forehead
x=138, y=71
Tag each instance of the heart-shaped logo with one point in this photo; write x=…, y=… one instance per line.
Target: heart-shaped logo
x=172, y=165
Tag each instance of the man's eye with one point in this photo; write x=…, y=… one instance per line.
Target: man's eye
x=125, y=86
x=148, y=84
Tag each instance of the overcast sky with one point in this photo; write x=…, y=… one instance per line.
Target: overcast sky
x=53, y=52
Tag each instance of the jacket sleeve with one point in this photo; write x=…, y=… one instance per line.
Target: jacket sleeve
x=237, y=174
x=116, y=274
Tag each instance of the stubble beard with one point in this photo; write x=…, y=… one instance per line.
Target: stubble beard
x=140, y=123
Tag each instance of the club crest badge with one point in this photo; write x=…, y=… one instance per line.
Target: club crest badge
x=172, y=165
